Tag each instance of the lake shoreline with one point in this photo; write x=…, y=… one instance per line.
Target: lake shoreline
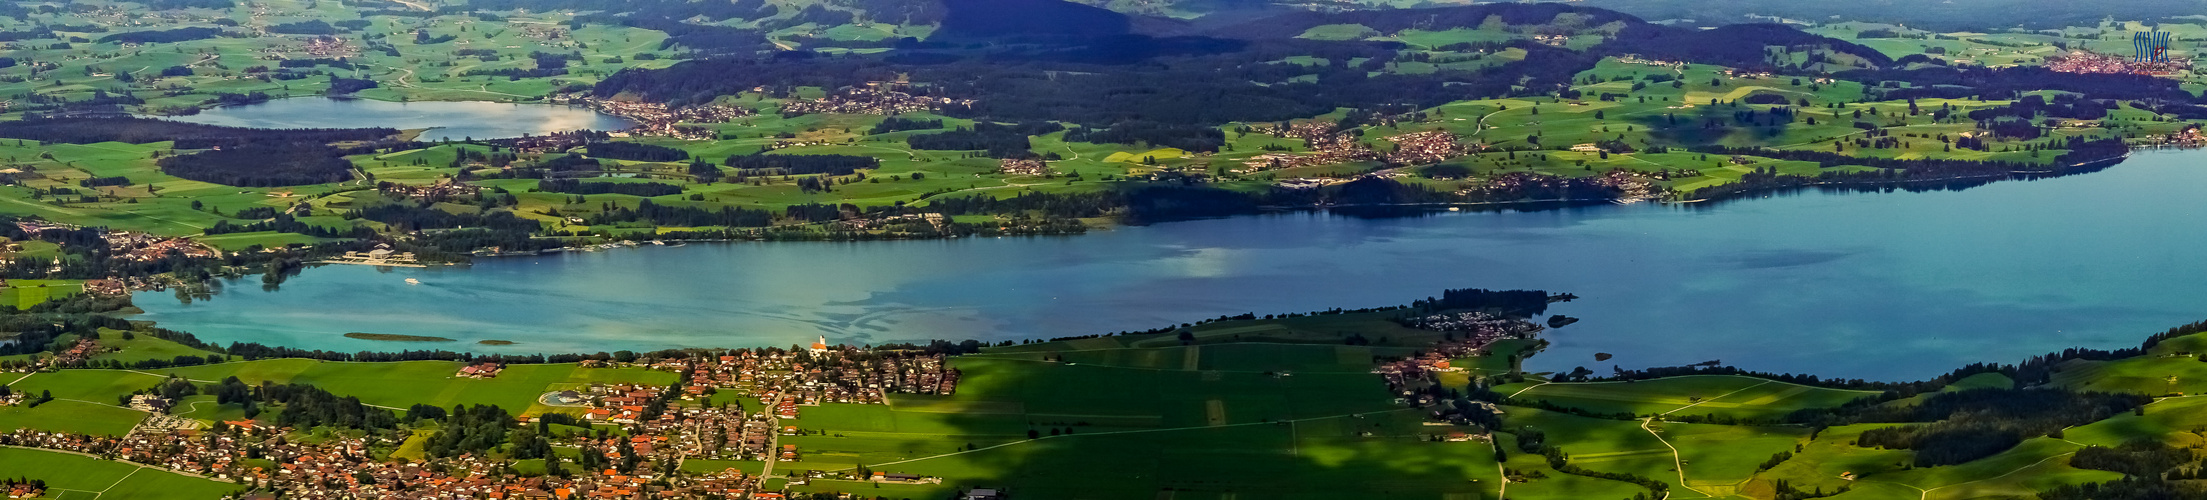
x=448, y=119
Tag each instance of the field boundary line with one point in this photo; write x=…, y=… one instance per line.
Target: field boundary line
x=1678, y=460
x=1535, y=386
x=1720, y=396
x=1764, y=380
x=1140, y=431
x=1927, y=493
x=119, y=482
x=1076, y=363
x=1131, y=348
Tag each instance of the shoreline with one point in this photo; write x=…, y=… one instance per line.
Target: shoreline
x=1535, y=205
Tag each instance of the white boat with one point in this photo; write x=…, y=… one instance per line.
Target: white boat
x=411, y=281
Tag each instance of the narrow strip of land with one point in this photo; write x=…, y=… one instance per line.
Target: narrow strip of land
x=1138, y=431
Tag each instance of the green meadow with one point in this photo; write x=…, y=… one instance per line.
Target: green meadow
x=70, y=476
x=1714, y=395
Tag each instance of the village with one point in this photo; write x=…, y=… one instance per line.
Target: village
x=1470, y=333
x=1327, y=147
x=659, y=119
x=1423, y=148
x=875, y=98
x=661, y=425
x=2079, y=61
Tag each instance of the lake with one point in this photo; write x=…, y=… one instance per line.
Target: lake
x=454, y=120
x=1880, y=285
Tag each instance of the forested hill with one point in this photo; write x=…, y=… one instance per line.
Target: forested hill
x=996, y=18
x=1024, y=72
x=1288, y=25
x=1738, y=46
x=1935, y=15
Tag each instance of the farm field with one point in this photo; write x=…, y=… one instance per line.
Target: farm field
x=406, y=383
x=77, y=477
x=1213, y=414
x=1729, y=396
x=856, y=121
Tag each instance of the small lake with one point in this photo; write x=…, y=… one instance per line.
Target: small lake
x=1878, y=285
x=453, y=120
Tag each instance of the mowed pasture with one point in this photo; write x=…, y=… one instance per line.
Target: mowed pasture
x=73, y=416
x=1119, y=431
x=2174, y=421
x=23, y=294
x=1167, y=398
x=70, y=476
x=406, y=383
x=1291, y=358
x=1556, y=485
x=2172, y=368
x=1338, y=457
x=1714, y=395
x=2035, y=465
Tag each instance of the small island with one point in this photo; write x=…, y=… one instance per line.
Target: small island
x=495, y=342
x=392, y=337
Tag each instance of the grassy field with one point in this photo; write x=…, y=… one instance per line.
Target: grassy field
x=62, y=415
x=1225, y=417
x=1731, y=396
x=2175, y=421
x=141, y=348
x=403, y=384
x=22, y=294
x=77, y=477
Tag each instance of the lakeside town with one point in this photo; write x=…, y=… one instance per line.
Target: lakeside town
x=659, y=427
x=629, y=438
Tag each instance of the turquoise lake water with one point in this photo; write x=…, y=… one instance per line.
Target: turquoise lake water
x=1880, y=285
x=450, y=120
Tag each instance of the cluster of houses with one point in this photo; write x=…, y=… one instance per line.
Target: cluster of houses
x=1470, y=333
x=1475, y=325
x=542, y=31
x=24, y=489
x=142, y=247
x=480, y=370
x=35, y=226
x=112, y=287
x=433, y=192
x=2080, y=61
x=347, y=467
x=549, y=143
x=149, y=403
x=329, y=46
x=1422, y=148
x=344, y=467
x=1022, y=166
x=1327, y=147
x=1741, y=73
x=874, y=98
x=795, y=144
x=77, y=353
x=654, y=118
x=2189, y=137
x=782, y=381
x=1635, y=59
x=862, y=224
